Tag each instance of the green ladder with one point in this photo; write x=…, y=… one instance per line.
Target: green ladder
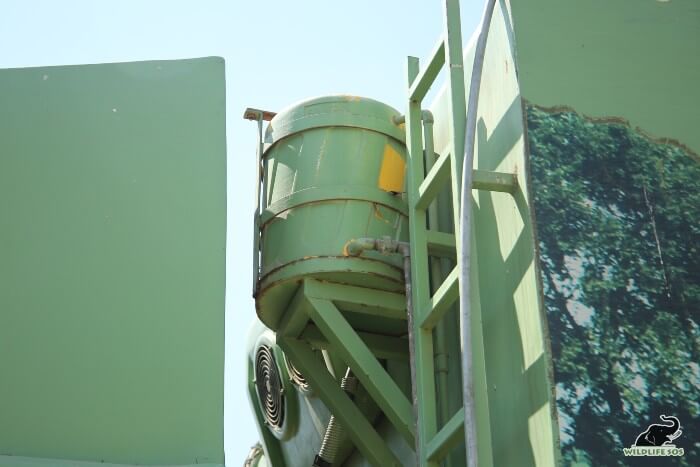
x=428, y=175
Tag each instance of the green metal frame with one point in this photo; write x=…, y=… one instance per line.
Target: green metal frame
x=112, y=278
x=314, y=318
x=433, y=443
x=258, y=116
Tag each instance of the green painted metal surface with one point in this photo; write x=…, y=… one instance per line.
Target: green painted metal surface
x=333, y=172
x=21, y=461
x=515, y=414
x=523, y=418
x=434, y=204
x=516, y=419
x=317, y=319
x=374, y=378
x=612, y=114
x=304, y=415
x=112, y=236
x=635, y=60
x=516, y=359
x=609, y=93
x=321, y=304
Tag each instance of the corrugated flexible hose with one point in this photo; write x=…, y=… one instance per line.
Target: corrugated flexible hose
x=334, y=431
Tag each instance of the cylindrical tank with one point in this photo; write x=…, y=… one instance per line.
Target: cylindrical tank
x=333, y=170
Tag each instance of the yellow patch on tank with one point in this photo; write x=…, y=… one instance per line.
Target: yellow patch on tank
x=392, y=172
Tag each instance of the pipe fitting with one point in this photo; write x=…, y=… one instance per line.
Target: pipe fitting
x=356, y=246
x=384, y=245
x=425, y=115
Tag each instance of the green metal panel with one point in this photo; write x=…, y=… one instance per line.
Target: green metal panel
x=636, y=60
x=333, y=172
x=300, y=441
x=523, y=422
x=360, y=430
x=516, y=360
x=320, y=316
x=21, y=461
x=612, y=114
x=513, y=390
x=112, y=236
x=374, y=378
x=422, y=365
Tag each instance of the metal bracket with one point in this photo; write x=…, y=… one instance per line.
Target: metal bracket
x=258, y=116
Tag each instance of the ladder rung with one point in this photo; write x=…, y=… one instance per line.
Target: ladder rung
x=444, y=296
x=494, y=181
x=425, y=78
x=438, y=447
x=439, y=173
x=441, y=244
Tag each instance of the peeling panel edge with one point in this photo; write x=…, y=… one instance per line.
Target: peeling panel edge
x=617, y=120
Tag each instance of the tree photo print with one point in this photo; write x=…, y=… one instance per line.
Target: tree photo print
x=618, y=224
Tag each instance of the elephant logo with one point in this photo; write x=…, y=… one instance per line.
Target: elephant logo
x=657, y=439
x=660, y=434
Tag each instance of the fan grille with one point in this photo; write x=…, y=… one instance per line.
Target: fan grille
x=269, y=386
x=296, y=376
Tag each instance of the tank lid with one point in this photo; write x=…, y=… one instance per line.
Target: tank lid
x=339, y=110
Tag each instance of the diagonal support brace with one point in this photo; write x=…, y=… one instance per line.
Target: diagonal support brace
x=362, y=433
x=365, y=366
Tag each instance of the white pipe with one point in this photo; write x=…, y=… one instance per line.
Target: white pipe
x=465, y=238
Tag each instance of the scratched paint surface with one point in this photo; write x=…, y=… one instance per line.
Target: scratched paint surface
x=333, y=172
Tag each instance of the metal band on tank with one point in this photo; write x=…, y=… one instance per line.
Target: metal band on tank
x=336, y=111
x=319, y=194
x=309, y=266
x=310, y=122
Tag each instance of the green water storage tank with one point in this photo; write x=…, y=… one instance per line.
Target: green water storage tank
x=333, y=170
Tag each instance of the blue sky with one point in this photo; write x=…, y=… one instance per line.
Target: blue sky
x=277, y=52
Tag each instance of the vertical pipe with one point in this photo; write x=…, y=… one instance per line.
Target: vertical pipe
x=437, y=273
x=425, y=428
x=465, y=237
x=258, y=212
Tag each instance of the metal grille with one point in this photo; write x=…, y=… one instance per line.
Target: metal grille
x=296, y=376
x=269, y=386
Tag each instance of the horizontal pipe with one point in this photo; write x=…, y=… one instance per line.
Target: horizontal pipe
x=426, y=116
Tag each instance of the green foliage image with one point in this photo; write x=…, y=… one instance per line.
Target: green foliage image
x=618, y=220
